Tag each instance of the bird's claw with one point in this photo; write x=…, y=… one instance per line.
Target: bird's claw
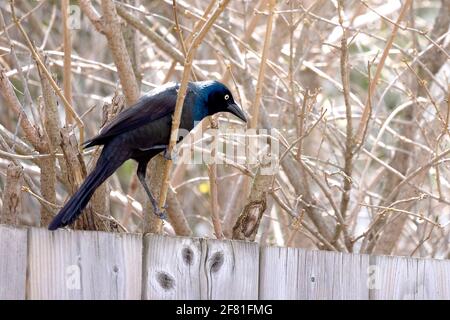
x=169, y=155
x=162, y=214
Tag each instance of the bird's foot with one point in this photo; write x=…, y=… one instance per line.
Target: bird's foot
x=162, y=214
x=170, y=155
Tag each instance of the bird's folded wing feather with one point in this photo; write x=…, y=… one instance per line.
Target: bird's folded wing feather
x=149, y=108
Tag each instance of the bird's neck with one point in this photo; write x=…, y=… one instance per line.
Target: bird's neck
x=200, y=109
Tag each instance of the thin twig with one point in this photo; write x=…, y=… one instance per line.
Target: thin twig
x=68, y=107
x=359, y=136
x=182, y=94
x=67, y=45
x=254, y=109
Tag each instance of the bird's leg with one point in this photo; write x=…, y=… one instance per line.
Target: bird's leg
x=166, y=153
x=141, y=172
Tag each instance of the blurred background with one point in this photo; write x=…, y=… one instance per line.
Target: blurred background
x=355, y=92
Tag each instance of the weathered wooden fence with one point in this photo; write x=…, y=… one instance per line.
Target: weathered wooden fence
x=38, y=264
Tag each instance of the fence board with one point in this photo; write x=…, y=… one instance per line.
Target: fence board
x=433, y=279
x=13, y=263
x=403, y=278
x=395, y=278
x=84, y=265
x=227, y=275
x=171, y=268
x=290, y=273
x=192, y=268
x=38, y=264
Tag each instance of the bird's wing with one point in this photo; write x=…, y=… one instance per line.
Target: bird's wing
x=150, y=107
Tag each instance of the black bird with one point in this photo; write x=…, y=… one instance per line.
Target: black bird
x=141, y=132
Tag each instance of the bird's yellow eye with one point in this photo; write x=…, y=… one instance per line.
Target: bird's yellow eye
x=227, y=97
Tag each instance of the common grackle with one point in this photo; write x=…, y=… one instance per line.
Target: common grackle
x=141, y=132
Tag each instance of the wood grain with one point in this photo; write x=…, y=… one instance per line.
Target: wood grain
x=433, y=279
x=84, y=265
x=40, y=264
x=192, y=268
x=13, y=263
x=396, y=278
x=227, y=275
x=291, y=273
x=171, y=268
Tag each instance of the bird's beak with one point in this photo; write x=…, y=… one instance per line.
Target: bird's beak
x=237, y=111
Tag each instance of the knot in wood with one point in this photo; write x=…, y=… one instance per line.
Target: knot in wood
x=217, y=261
x=188, y=255
x=165, y=280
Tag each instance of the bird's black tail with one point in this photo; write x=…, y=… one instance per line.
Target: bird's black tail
x=106, y=165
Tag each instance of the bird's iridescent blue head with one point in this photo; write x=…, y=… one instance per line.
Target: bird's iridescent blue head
x=218, y=98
